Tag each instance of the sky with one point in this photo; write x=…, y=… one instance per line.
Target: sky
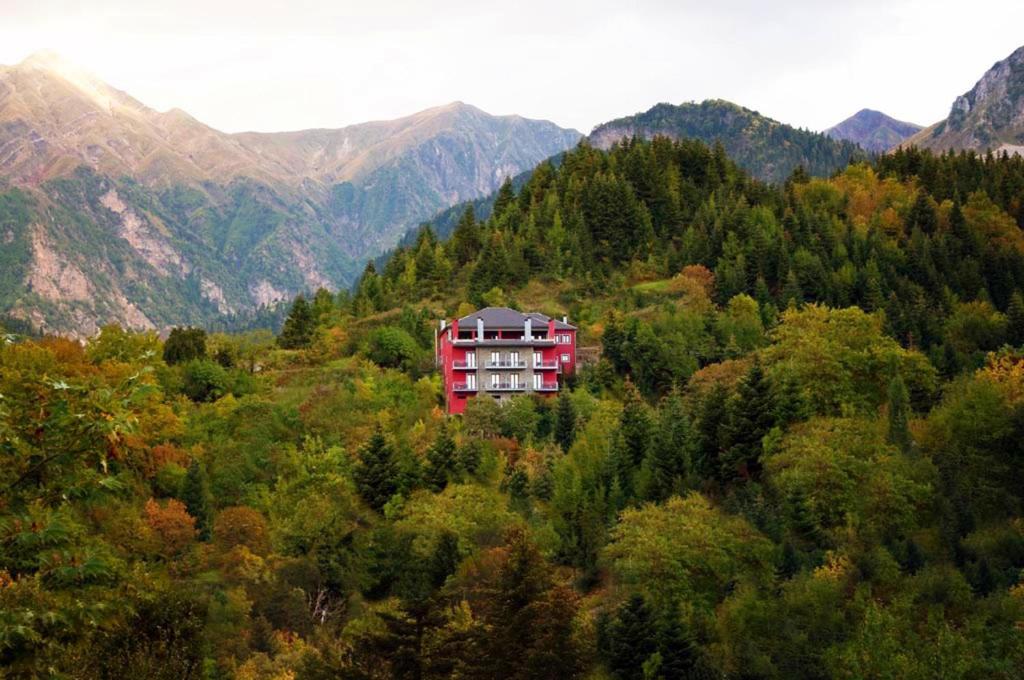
x=271, y=66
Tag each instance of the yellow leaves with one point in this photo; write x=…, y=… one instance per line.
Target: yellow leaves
x=998, y=228
x=1006, y=370
x=837, y=568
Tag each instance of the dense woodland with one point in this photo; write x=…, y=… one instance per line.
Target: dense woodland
x=798, y=454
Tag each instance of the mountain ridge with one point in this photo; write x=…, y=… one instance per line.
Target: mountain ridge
x=767, y=148
x=989, y=116
x=873, y=130
x=151, y=219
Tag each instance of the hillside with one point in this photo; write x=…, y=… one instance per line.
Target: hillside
x=768, y=149
x=990, y=116
x=873, y=130
x=150, y=218
x=794, y=455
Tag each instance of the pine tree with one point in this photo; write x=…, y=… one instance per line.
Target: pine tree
x=376, y=475
x=670, y=453
x=565, y=422
x=1015, y=317
x=633, y=443
x=506, y=197
x=442, y=462
x=195, y=494
x=185, y=344
x=899, y=414
x=710, y=423
x=466, y=241
x=298, y=327
x=680, y=658
x=632, y=639
x=750, y=416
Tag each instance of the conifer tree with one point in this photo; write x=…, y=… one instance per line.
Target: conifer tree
x=442, y=462
x=298, y=327
x=195, y=494
x=466, y=240
x=506, y=197
x=1015, y=319
x=376, y=474
x=632, y=639
x=185, y=344
x=670, y=453
x=633, y=443
x=710, y=423
x=750, y=416
x=565, y=422
x=899, y=414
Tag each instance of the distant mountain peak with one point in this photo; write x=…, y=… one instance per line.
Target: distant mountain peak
x=873, y=130
x=194, y=222
x=768, y=149
x=988, y=116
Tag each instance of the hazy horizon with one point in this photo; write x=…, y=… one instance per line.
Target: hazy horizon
x=320, y=64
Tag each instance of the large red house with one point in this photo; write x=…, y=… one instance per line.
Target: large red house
x=499, y=352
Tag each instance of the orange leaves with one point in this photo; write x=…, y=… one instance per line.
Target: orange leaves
x=241, y=525
x=172, y=528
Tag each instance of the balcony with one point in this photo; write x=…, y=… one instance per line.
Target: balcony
x=505, y=364
x=518, y=341
x=464, y=365
x=506, y=387
x=547, y=387
x=463, y=387
x=545, y=365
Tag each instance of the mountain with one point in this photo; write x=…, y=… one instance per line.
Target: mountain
x=873, y=130
x=111, y=211
x=989, y=116
x=768, y=149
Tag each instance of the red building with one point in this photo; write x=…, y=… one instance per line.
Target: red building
x=499, y=352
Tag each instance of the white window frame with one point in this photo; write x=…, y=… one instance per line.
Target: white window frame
x=495, y=380
x=496, y=358
x=513, y=380
x=538, y=381
x=565, y=358
x=471, y=360
x=471, y=381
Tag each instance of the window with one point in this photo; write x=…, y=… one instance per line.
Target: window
x=513, y=359
x=563, y=338
x=471, y=381
x=565, y=358
x=471, y=360
x=495, y=358
x=495, y=380
x=537, y=359
x=538, y=381
x=513, y=381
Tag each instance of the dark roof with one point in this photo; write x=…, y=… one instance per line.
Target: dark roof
x=503, y=317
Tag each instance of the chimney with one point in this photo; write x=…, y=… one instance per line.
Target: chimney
x=479, y=328
x=440, y=325
x=528, y=328
x=565, y=320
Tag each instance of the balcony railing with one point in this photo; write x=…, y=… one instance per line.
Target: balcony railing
x=464, y=387
x=547, y=387
x=545, y=364
x=463, y=365
x=506, y=387
x=518, y=340
x=506, y=364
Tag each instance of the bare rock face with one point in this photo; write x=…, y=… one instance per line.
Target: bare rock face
x=154, y=219
x=988, y=117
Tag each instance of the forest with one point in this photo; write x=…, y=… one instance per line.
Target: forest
x=796, y=453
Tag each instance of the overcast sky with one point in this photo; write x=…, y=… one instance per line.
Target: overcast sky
x=240, y=65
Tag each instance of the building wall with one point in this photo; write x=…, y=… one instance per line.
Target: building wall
x=448, y=353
